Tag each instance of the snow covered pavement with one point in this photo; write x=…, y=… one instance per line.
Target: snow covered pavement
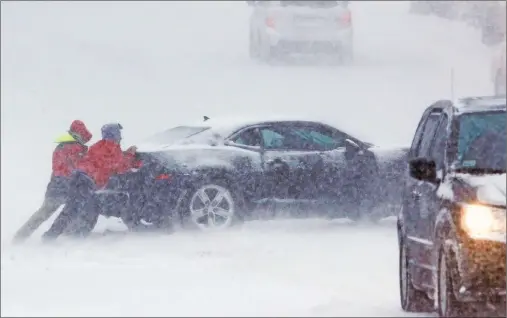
x=285, y=267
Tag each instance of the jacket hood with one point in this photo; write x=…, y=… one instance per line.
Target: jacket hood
x=80, y=132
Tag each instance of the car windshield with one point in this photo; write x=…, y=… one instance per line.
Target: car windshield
x=482, y=141
x=313, y=4
x=175, y=134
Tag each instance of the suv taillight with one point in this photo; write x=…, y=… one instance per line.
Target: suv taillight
x=345, y=19
x=270, y=22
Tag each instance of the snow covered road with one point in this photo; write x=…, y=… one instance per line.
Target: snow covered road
x=151, y=65
x=286, y=268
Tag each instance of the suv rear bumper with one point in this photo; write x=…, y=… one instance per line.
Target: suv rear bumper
x=341, y=38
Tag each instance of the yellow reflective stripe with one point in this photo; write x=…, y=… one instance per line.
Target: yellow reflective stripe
x=65, y=138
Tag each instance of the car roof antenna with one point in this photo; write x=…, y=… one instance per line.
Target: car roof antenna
x=206, y=118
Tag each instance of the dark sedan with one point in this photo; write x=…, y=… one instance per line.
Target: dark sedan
x=220, y=172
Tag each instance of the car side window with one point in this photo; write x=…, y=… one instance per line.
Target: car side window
x=429, y=131
x=320, y=138
x=309, y=138
x=417, y=136
x=272, y=139
x=249, y=137
x=439, y=145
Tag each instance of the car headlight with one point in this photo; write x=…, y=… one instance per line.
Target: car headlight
x=482, y=221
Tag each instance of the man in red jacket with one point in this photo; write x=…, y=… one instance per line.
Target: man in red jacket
x=69, y=151
x=103, y=160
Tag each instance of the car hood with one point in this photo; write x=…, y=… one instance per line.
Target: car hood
x=488, y=189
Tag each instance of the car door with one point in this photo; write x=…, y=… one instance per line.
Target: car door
x=429, y=202
x=330, y=171
x=416, y=233
x=249, y=138
x=290, y=158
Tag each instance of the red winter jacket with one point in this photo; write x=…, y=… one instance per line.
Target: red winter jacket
x=67, y=155
x=105, y=159
x=70, y=149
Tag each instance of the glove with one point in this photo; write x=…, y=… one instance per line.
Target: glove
x=131, y=150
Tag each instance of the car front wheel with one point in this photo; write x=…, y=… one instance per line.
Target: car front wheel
x=412, y=300
x=448, y=305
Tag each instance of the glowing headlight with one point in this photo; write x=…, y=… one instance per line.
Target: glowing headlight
x=480, y=221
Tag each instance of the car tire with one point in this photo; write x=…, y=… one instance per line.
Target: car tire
x=267, y=52
x=231, y=205
x=447, y=304
x=411, y=299
x=253, y=47
x=347, y=56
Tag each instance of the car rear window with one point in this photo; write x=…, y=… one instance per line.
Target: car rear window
x=175, y=134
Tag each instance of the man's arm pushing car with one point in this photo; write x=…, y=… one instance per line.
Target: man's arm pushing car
x=103, y=160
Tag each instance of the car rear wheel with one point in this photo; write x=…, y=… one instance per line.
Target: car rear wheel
x=347, y=55
x=412, y=300
x=253, y=46
x=212, y=206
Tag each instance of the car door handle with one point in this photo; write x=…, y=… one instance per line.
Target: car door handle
x=416, y=194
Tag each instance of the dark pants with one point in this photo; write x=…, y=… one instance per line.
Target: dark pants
x=81, y=210
x=56, y=195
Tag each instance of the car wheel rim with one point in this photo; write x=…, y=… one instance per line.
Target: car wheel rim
x=442, y=286
x=212, y=207
x=403, y=278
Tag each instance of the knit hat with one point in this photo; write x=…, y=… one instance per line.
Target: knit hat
x=112, y=132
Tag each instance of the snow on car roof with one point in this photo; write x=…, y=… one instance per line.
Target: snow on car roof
x=225, y=125
x=480, y=103
x=231, y=123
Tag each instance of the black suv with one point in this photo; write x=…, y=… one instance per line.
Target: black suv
x=451, y=228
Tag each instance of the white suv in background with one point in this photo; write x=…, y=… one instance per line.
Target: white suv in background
x=278, y=28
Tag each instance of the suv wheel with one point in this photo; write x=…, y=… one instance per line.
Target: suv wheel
x=412, y=300
x=447, y=304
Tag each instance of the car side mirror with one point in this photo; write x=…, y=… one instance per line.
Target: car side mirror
x=352, y=145
x=423, y=169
